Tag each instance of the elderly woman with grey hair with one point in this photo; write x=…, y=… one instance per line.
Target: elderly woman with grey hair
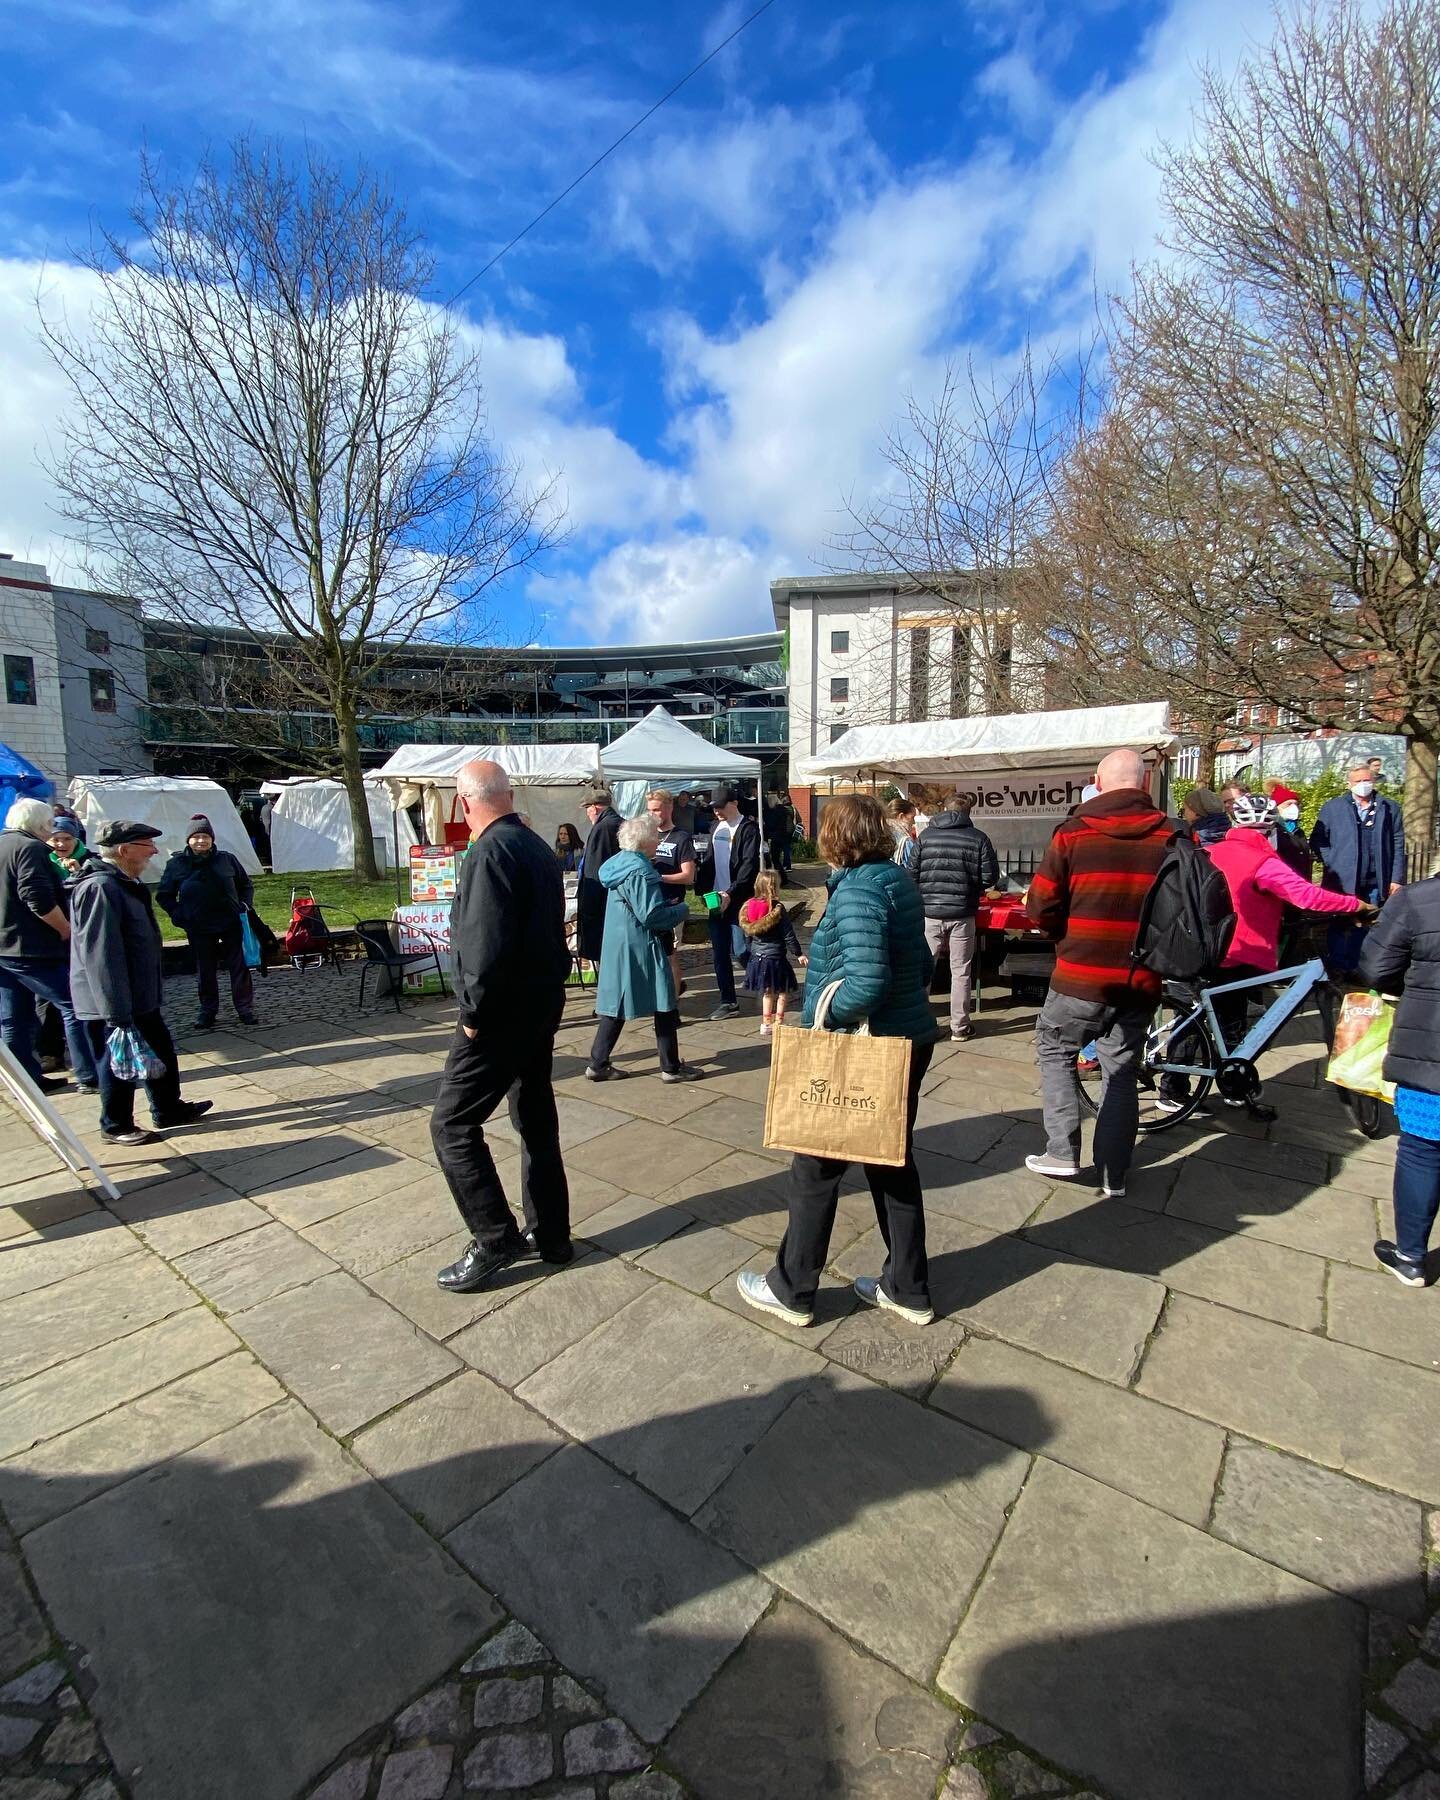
x=35, y=944
x=635, y=974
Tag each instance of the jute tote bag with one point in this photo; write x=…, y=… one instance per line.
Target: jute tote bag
x=838, y=1093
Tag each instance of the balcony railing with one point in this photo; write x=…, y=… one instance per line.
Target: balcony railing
x=756, y=727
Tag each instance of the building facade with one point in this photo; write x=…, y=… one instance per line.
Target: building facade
x=74, y=683
x=870, y=649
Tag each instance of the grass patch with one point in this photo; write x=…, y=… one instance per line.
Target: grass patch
x=343, y=896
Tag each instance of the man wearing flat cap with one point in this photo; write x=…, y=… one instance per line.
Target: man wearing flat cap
x=601, y=844
x=116, y=978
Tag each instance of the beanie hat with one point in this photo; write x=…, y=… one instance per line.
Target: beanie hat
x=1283, y=796
x=198, y=822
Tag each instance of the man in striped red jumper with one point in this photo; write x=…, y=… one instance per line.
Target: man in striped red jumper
x=1087, y=893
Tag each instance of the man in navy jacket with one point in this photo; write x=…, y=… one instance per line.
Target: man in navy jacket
x=1360, y=839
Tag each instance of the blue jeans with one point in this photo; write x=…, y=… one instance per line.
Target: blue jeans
x=23, y=980
x=1417, y=1194
x=722, y=947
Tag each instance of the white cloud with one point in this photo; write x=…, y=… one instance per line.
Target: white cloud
x=677, y=587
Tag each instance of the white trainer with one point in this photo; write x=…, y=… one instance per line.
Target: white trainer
x=868, y=1289
x=1051, y=1165
x=756, y=1291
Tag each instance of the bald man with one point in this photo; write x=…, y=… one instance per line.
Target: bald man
x=1087, y=893
x=507, y=936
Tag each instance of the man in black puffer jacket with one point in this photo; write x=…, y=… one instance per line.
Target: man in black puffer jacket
x=205, y=890
x=953, y=865
x=1402, y=956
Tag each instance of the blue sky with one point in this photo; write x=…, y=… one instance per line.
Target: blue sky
x=708, y=341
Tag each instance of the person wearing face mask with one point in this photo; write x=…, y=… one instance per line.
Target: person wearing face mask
x=1360, y=839
x=1261, y=886
x=1291, y=844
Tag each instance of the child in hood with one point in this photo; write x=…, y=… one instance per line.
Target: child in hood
x=764, y=921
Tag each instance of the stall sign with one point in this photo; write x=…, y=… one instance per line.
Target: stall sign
x=434, y=870
x=424, y=928
x=1026, y=793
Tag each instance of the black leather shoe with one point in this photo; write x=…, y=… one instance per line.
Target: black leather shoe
x=565, y=1254
x=186, y=1113
x=476, y=1267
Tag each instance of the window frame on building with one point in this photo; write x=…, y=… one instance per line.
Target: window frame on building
x=22, y=667
x=103, y=701
x=97, y=641
x=839, y=690
x=839, y=643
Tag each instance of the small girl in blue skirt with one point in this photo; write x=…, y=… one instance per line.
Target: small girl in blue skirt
x=766, y=924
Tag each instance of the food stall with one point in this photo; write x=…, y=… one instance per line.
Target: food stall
x=1027, y=772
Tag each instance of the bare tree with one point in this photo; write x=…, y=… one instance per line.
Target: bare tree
x=274, y=431
x=1297, y=335
x=967, y=517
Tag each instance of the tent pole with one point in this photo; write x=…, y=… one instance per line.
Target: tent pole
x=395, y=827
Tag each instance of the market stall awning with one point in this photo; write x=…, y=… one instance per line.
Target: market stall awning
x=661, y=749
x=547, y=764
x=942, y=747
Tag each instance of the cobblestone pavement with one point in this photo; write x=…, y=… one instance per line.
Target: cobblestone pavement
x=1152, y=1511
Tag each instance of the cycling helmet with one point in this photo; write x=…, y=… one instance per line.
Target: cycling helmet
x=1254, y=809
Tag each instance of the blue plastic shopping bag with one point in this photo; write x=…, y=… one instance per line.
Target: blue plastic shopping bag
x=131, y=1058
x=250, y=944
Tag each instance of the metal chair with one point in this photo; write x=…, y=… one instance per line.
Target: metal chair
x=378, y=938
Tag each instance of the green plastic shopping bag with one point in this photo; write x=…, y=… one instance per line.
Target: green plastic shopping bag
x=1361, y=1038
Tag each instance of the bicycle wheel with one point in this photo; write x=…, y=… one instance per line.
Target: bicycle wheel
x=1367, y=1112
x=1164, y=1099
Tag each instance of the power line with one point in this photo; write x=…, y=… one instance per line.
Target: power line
x=565, y=192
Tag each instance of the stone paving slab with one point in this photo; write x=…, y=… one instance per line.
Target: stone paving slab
x=1332, y=1404
x=1158, y=1455
x=250, y=1174
x=1252, y=1276
x=1373, y=1311
x=410, y=1287
x=657, y=1614
x=67, y=1394
x=513, y=1341
x=799, y=1712
x=174, y=1217
x=580, y=1121
x=450, y=1452
x=41, y=1482
x=344, y=1352
x=872, y=1342
x=268, y=1549
x=394, y=1225
x=632, y=1225
x=738, y=1124
x=58, y=1251
x=24, y=1635
x=672, y=1391
x=699, y=1256
x=1093, y=1318
x=84, y=1311
x=640, y=1157
x=240, y=1272
x=1325, y=1526
x=35, y=1205
x=901, y=1510
x=307, y=1198
x=983, y=1197
x=1160, y=1663
x=1326, y=1221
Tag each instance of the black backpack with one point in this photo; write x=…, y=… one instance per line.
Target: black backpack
x=1187, y=918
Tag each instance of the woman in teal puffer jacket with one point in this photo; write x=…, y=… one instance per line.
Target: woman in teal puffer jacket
x=872, y=941
x=635, y=974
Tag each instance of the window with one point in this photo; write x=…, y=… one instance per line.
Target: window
x=920, y=672
x=839, y=687
x=102, y=690
x=97, y=643
x=960, y=673
x=839, y=643
x=20, y=680
x=837, y=732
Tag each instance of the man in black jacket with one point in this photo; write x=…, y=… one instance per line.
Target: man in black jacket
x=206, y=891
x=507, y=936
x=729, y=868
x=954, y=863
x=590, y=896
x=35, y=945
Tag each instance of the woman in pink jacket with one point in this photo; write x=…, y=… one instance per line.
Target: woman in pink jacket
x=1261, y=886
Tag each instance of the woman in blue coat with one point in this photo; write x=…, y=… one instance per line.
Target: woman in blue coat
x=871, y=940
x=635, y=977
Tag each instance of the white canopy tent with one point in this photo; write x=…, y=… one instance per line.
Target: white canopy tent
x=547, y=778
x=1026, y=770
x=310, y=825
x=168, y=801
x=662, y=752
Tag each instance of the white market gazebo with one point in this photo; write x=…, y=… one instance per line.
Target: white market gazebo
x=311, y=828
x=547, y=778
x=166, y=801
x=662, y=752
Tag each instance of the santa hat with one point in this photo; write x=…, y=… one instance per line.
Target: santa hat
x=1282, y=796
